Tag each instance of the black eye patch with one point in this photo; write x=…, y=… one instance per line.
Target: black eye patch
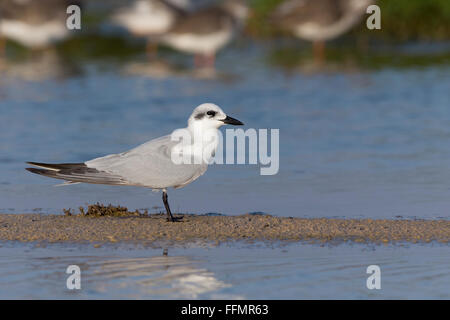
x=211, y=113
x=199, y=116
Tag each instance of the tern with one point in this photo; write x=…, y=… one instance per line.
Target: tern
x=151, y=164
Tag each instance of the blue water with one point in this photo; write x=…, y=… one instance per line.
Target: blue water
x=239, y=271
x=353, y=143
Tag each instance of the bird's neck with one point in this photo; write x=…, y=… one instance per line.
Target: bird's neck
x=204, y=141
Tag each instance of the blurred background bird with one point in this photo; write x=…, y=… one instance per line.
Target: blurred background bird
x=319, y=20
x=35, y=24
x=207, y=30
x=150, y=19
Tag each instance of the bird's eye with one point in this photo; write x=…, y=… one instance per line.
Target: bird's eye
x=211, y=113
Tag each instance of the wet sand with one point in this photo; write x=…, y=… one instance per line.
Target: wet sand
x=155, y=228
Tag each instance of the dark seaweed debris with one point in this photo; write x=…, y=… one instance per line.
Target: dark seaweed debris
x=100, y=210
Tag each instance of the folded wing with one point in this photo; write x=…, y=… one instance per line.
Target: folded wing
x=150, y=165
x=76, y=172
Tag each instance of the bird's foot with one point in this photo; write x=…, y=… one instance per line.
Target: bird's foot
x=174, y=219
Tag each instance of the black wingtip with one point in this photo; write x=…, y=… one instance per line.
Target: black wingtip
x=57, y=166
x=34, y=170
x=38, y=164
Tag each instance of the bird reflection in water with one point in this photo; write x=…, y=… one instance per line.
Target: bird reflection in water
x=159, y=276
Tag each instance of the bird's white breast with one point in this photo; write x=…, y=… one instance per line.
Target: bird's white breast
x=199, y=43
x=33, y=35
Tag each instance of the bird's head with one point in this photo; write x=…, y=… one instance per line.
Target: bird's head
x=210, y=116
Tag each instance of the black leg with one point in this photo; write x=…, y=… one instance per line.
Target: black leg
x=169, y=213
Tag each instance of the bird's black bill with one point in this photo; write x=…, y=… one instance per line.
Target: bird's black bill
x=232, y=121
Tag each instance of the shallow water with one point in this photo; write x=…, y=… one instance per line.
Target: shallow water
x=354, y=142
x=238, y=271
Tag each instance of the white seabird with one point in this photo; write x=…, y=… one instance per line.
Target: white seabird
x=151, y=164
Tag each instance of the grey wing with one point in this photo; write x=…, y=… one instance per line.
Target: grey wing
x=201, y=22
x=75, y=173
x=150, y=165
